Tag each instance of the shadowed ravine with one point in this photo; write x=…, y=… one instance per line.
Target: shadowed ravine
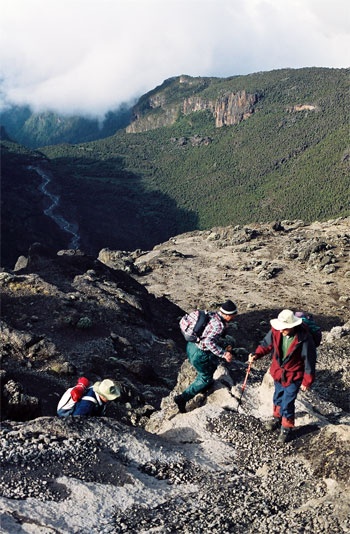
x=52, y=210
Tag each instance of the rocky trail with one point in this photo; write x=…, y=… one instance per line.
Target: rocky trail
x=145, y=467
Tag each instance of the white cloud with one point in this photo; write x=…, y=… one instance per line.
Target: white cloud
x=88, y=56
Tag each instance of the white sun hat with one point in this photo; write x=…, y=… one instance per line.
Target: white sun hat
x=286, y=319
x=108, y=389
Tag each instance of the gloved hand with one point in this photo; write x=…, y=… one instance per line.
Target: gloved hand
x=79, y=390
x=251, y=357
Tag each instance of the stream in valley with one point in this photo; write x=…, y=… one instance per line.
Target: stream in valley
x=52, y=210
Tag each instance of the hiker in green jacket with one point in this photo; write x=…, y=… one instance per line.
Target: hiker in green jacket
x=206, y=354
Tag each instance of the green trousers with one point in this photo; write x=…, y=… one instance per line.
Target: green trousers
x=205, y=364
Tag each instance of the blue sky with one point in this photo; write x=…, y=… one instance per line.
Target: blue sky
x=89, y=56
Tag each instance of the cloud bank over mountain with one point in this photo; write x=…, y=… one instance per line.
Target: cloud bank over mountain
x=88, y=57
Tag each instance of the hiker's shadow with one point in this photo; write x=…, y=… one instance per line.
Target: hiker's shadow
x=305, y=430
x=183, y=435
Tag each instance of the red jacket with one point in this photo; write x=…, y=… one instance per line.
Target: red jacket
x=300, y=361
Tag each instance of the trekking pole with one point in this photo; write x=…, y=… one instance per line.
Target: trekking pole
x=244, y=385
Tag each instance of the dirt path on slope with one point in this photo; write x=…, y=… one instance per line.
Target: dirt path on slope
x=261, y=269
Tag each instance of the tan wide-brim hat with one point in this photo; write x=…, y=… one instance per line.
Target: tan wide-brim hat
x=108, y=389
x=286, y=319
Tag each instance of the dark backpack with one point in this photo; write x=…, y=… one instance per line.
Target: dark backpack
x=193, y=324
x=314, y=329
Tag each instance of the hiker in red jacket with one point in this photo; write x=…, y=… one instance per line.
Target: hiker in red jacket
x=293, y=367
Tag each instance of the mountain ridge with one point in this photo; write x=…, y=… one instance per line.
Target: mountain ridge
x=35, y=129
x=67, y=312
x=289, y=159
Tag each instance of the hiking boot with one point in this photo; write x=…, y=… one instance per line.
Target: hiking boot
x=199, y=400
x=273, y=424
x=285, y=435
x=181, y=403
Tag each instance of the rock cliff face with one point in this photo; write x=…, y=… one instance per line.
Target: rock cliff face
x=228, y=109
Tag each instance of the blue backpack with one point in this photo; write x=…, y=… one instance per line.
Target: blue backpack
x=314, y=329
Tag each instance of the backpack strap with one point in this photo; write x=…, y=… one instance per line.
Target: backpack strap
x=91, y=399
x=96, y=399
x=221, y=318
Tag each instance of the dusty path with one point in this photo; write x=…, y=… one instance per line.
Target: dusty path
x=304, y=267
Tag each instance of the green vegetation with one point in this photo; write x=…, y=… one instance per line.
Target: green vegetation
x=84, y=323
x=277, y=164
x=288, y=160
x=37, y=129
